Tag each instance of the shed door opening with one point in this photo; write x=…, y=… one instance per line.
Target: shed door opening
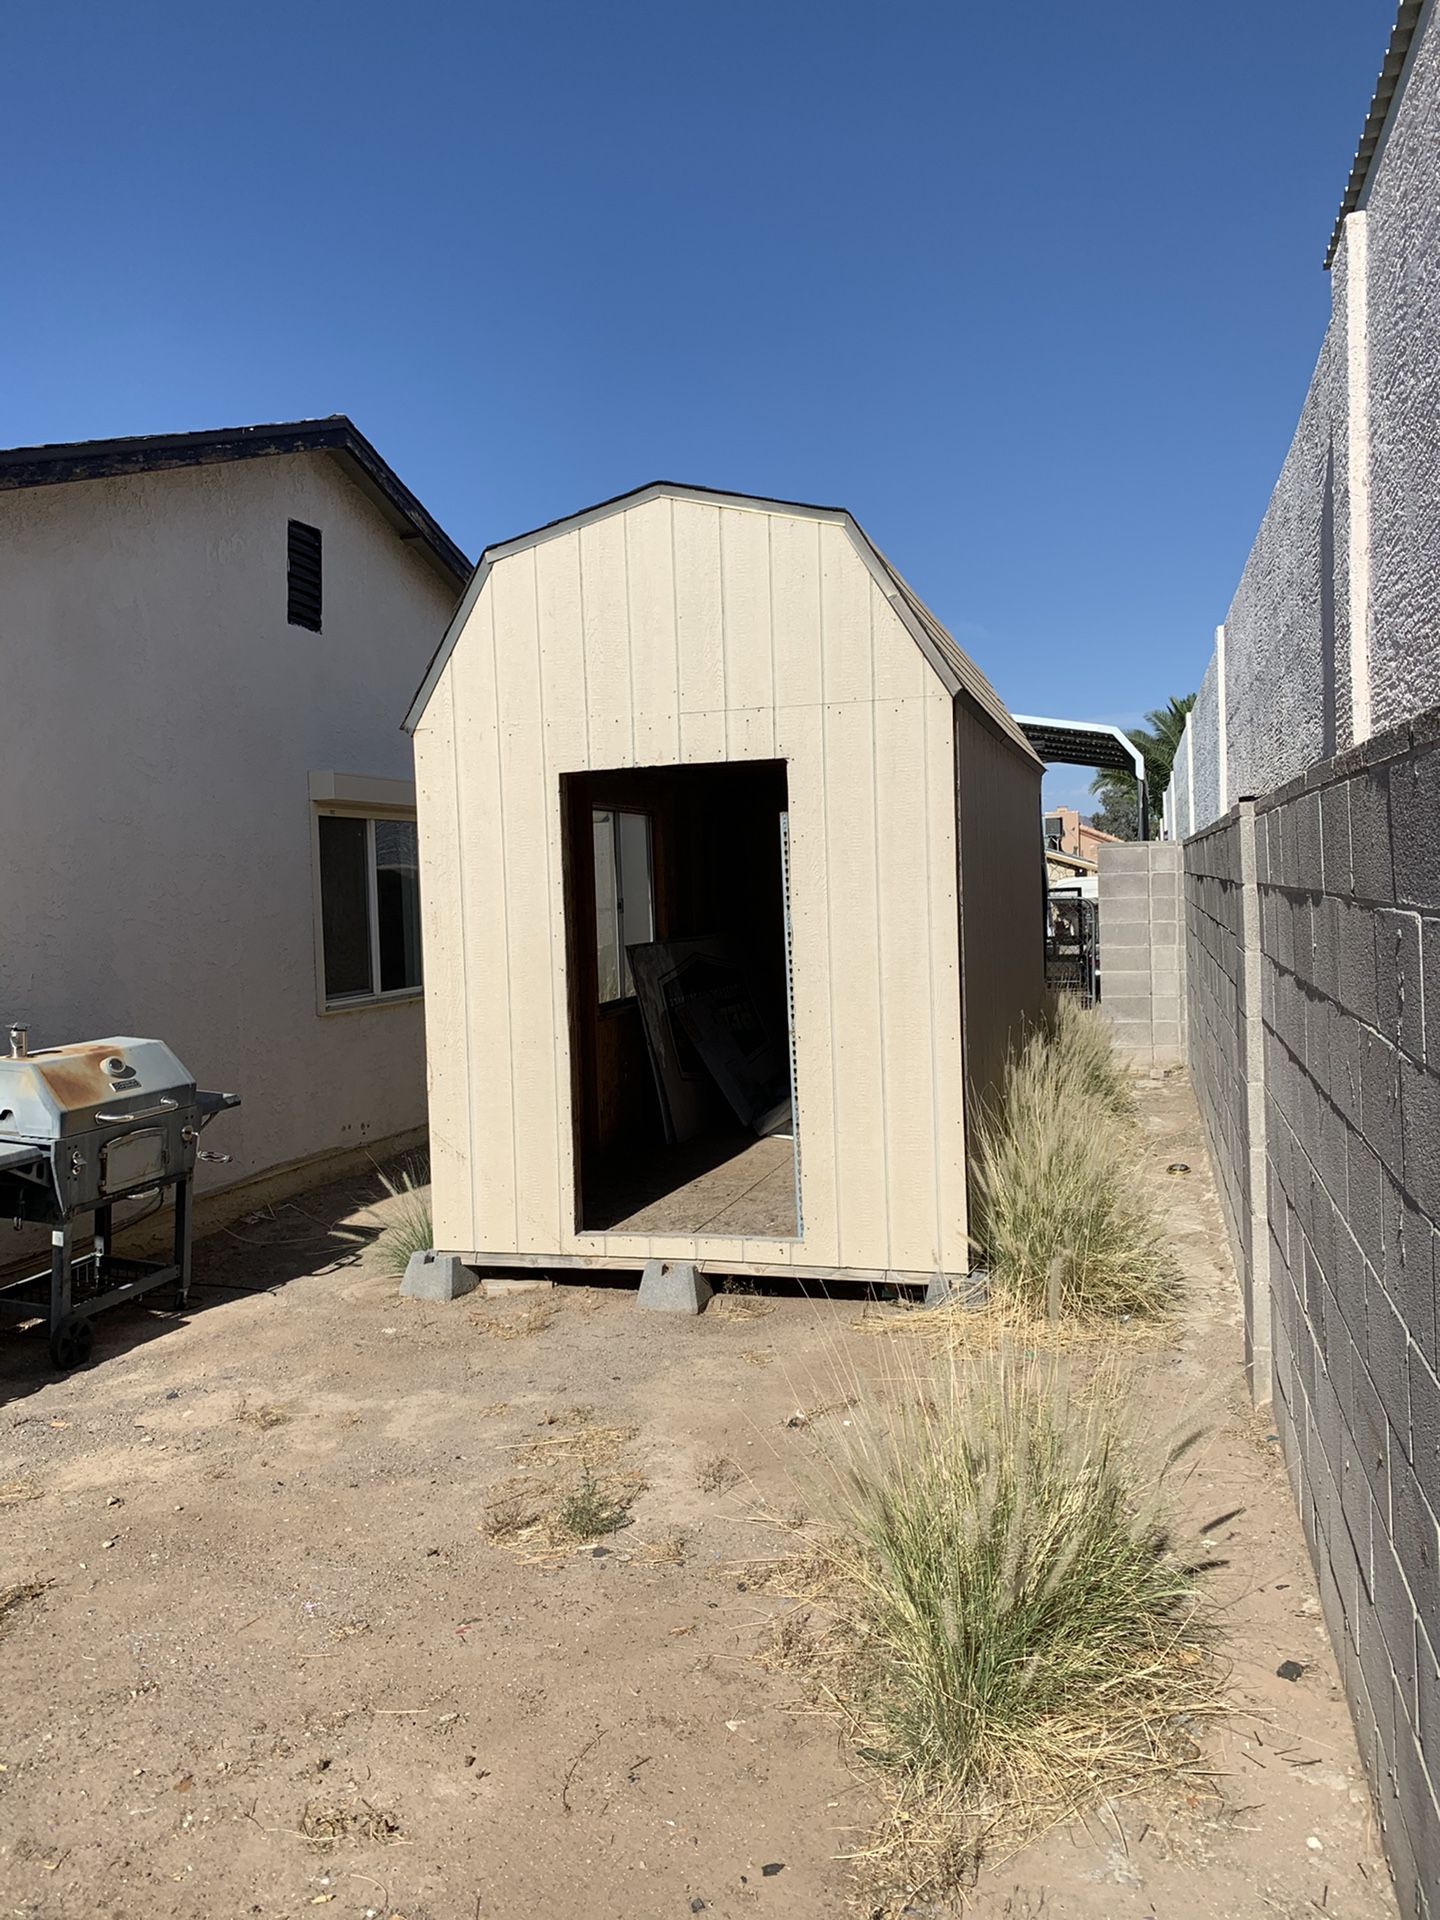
x=676, y=931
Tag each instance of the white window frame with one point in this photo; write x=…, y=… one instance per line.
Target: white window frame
x=352, y=797
x=627, y=994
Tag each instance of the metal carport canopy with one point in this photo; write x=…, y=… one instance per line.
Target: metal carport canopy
x=1088, y=743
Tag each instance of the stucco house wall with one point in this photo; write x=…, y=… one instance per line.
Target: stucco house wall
x=160, y=724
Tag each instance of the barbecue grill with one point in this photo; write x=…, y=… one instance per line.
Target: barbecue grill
x=82, y=1128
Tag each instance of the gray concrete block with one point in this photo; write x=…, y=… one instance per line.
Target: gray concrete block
x=1366, y=1210
x=1387, y=1356
x=437, y=1276
x=1371, y=860
x=1356, y=941
x=673, y=1286
x=1126, y=1009
x=1430, y=989
x=1309, y=869
x=1123, y=885
x=1335, y=836
x=1125, y=856
x=1415, y=1536
x=1420, y=1132
x=1380, y=1097
x=1414, y=810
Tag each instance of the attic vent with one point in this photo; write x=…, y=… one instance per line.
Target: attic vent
x=302, y=581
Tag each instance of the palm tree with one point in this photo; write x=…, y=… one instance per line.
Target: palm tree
x=1158, y=740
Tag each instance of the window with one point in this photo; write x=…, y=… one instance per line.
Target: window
x=302, y=579
x=624, y=896
x=369, y=907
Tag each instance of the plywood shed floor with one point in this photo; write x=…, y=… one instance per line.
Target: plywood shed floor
x=749, y=1191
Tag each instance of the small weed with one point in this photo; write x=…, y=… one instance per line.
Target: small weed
x=16, y=1596
x=667, y=1551
x=263, y=1417
x=588, y=1511
x=717, y=1474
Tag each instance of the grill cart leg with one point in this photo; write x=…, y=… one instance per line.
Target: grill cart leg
x=102, y=1245
x=70, y=1338
x=182, y=1239
x=59, y=1276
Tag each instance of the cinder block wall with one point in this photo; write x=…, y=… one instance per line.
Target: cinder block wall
x=1322, y=1108
x=1142, y=956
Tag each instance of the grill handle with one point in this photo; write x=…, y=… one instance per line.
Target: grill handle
x=140, y=1113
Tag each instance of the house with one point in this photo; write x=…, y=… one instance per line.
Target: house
x=731, y=894
x=1068, y=873
x=1066, y=832
x=207, y=799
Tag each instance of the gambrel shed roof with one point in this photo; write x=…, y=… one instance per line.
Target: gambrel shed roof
x=954, y=667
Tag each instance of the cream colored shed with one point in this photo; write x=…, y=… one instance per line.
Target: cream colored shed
x=692, y=730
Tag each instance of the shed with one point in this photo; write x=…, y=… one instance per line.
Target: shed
x=732, y=898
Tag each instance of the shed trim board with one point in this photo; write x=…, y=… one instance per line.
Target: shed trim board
x=674, y=640
x=617, y=1261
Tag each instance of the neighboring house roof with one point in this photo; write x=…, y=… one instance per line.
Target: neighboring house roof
x=164, y=452
x=1401, y=39
x=955, y=668
x=1077, y=862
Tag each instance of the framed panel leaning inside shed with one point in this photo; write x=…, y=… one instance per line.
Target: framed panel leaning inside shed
x=731, y=894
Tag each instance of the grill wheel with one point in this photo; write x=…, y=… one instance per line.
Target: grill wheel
x=71, y=1343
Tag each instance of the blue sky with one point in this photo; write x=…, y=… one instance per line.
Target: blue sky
x=1035, y=291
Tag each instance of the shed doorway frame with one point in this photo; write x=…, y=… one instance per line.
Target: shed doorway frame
x=717, y=872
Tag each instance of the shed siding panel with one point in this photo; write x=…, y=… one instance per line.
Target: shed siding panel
x=945, y=995
x=700, y=623
x=683, y=633
x=563, y=679
x=525, y=810
x=1001, y=862
x=484, y=905
x=745, y=599
x=654, y=647
x=854, y=982
x=906, y=1024
x=606, y=606
x=801, y=741
x=452, y=1146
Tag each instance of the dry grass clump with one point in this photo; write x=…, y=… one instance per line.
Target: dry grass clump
x=993, y=1602
x=520, y=1326
x=569, y=1488
x=403, y=1213
x=409, y=1227
x=1083, y=1036
x=740, y=1299
x=1062, y=1216
x=325, y=1823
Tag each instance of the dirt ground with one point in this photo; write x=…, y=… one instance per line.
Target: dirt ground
x=272, y=1664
